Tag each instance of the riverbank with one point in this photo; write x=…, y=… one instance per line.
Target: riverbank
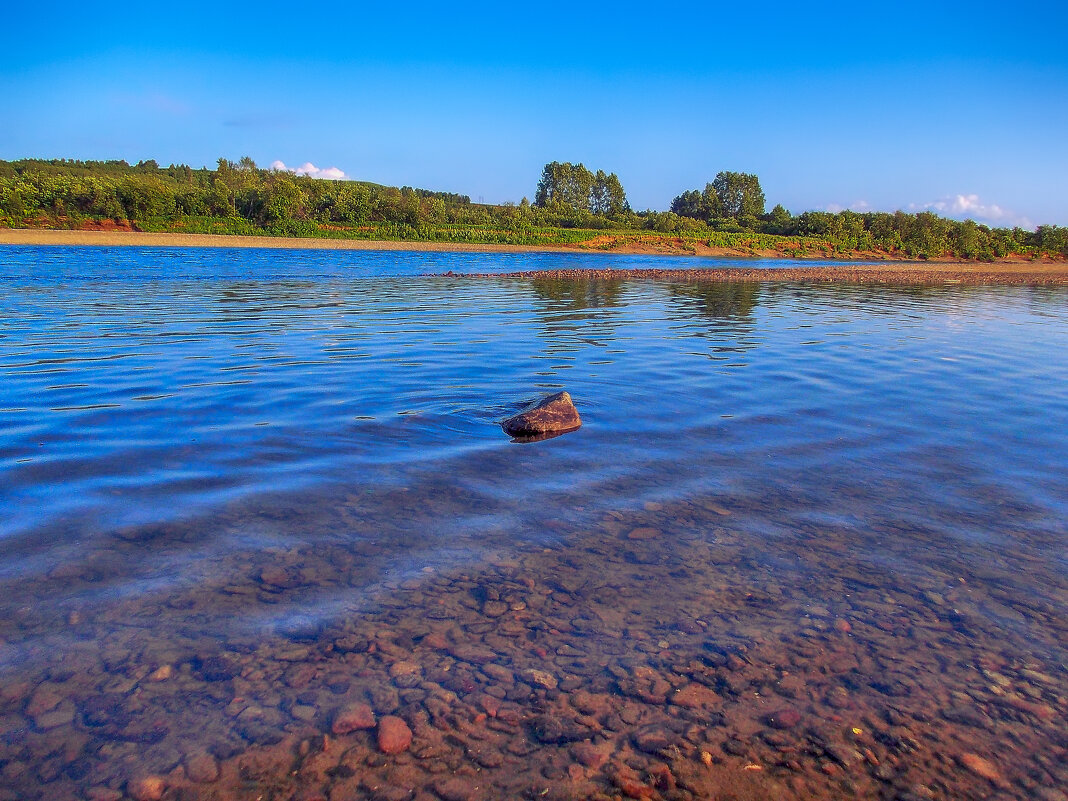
x=863, y=266
x=62, y=237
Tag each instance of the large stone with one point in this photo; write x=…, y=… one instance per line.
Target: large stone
x=394, y=736
x=555, y=414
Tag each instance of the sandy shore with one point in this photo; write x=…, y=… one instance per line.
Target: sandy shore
x=861, y=268
x=38, y=236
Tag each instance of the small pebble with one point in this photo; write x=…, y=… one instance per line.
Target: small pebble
x=981, y=767
x=146, y=788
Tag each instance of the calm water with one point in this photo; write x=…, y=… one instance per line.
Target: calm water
x=242, y=491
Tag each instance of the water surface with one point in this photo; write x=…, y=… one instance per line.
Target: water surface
x=809, y=541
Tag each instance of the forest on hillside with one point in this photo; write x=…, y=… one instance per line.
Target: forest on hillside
x=572, y=205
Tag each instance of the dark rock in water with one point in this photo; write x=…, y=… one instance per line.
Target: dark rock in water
x=553, y=730
x=213, y=668
x=553, y=415
x=260, y=734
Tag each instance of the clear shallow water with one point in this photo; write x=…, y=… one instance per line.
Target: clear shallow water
x=280, y=459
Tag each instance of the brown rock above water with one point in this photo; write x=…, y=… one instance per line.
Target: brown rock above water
x=554, y=414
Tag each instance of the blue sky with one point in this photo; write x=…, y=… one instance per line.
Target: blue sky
x=960, y=107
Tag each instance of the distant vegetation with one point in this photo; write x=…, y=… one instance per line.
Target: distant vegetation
x=572, y=205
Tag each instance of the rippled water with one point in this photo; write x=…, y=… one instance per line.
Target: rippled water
x=841, y=503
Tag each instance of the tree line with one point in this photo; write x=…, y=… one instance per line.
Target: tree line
x=240, y=197
x=145, y=191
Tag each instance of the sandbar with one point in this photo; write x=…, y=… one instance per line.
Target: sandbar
x=900, y=273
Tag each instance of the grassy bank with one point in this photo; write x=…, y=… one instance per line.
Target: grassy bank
x=526, y=236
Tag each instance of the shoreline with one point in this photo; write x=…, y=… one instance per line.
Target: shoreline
x=860, y=268
x=62, y=237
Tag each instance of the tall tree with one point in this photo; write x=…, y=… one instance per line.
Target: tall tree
x=574, y=186
x=607, y=197
x=739, y=194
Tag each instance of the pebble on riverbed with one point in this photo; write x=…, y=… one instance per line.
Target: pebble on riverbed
x=546, y=675
x=146, y=788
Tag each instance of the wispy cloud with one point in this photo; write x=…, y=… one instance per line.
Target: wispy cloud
x=307, y=168
x=972, y=207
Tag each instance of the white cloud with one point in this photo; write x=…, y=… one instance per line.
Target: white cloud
x=858, y=206
x=309, y=169
x=971, y=207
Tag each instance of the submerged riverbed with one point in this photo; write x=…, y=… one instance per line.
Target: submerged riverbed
x=262, y=536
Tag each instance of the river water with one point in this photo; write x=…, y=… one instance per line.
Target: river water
x=259, y=526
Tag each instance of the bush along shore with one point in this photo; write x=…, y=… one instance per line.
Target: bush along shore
x=573, y=208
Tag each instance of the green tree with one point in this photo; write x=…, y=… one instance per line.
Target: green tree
x=698, y=205
x=779, y=221
x=927, y=236
x=689, y=204
x=1052, y=239
x=145, y=197
x=739, y=194
x=967, y=240
x=279, y=200
x=607, y=196
x=219, y=200
x=574, y=187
